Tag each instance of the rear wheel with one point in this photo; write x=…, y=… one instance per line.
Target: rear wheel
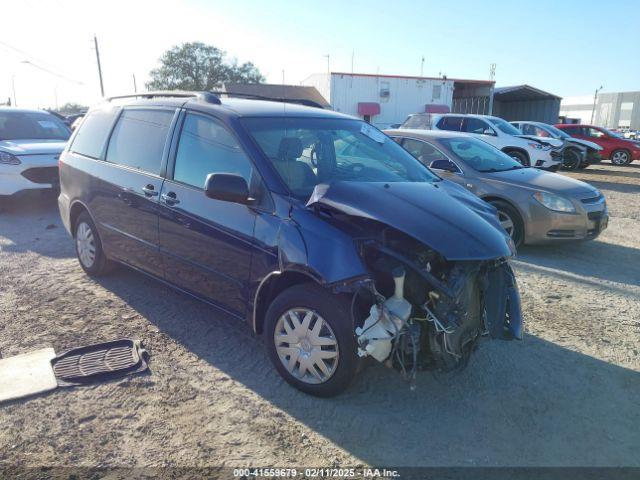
x=519, y=156
x=310, y=341
x=89, y=247
x=510, y=221
x=621, y=157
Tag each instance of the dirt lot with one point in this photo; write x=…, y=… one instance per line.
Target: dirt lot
x=569, y=394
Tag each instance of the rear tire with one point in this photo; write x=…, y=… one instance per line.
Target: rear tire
x=519, y=156
x=294, y=347
x=621, y=158
x=510, y=220
x=89, y=247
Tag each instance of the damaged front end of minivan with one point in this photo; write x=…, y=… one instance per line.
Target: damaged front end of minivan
x=438, y=272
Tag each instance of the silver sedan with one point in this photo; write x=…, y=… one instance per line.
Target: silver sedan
x=533, y=206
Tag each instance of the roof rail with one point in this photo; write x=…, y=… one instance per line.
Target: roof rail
x=254, y=96
x=207, y=97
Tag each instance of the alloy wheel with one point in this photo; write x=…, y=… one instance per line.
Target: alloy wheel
x=620, y=158
x=506, y=222
x=86, y=245
x=306, y=345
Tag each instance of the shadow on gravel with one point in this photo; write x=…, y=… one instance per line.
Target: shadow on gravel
x=605, y=261
x=629, y=172
x=518, y=403
x=612, y=186
x=32, y=224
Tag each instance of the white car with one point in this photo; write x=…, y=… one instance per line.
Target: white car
x=589, y=151
x=504, y=136
x=30, y=143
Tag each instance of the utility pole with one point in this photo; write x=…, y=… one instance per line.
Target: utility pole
x=492, y=71
x=95, y=42
x=13, y=87
x=422, y=67
x=595, y=99
x=135, y=86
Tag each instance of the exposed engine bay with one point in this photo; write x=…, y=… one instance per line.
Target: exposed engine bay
x=418, y=309
x=430, y=313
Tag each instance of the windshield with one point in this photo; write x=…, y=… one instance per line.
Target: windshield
x=309, y=151
x=32, y=126
x=479, y=155
x=505, y=127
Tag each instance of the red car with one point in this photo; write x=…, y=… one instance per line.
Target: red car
x=619, y=150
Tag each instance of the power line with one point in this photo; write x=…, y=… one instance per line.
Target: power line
x=37, y=63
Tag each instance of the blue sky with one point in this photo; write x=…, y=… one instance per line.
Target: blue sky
x=566, y=47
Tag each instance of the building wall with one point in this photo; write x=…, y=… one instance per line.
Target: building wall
x=405, y=95
x=613, y=110
x=533, y=110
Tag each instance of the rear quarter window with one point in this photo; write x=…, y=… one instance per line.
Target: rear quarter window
x=139, y=138
x=93, y=132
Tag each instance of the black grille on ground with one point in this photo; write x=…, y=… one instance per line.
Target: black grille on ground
x=103, y=361
x=42, y=175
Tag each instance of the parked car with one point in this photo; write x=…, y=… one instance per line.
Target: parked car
x=314, y=227
x=577, y=153
x=30, y=144
x=504, y=136
x=533, y=206
x=619, y=150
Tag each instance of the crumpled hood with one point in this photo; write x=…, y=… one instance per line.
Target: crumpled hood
x=554, y=142
x=442, y=215
x=535, y=179
x=585, y=143
x=32, y=147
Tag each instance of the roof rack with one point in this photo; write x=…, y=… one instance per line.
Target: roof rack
x=207, y=97
x=299, y=101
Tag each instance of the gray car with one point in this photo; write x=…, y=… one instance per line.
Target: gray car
x=533, y=206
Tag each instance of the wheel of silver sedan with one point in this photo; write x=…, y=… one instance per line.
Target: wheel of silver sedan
x=86, y=245
x=506, y=222
x=306, y=345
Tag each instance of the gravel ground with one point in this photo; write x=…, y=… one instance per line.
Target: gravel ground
x=568, y=395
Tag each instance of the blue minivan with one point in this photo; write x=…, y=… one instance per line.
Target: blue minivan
x=317, y=229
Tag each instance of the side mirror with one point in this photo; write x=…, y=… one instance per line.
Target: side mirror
x=227, y=187
x=444, y=165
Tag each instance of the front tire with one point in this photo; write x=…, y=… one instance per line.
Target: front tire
x=571, y=160
x=621, y=158
x=510, y=221
x=310, y=341
x=519, y=156
x=89, y=247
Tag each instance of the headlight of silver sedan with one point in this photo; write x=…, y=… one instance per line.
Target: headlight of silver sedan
x=554, y=202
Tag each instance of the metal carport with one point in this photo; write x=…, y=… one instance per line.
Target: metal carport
x=524, y=102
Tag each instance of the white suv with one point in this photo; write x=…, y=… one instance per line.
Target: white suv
x=30, y=143
x=503, y=135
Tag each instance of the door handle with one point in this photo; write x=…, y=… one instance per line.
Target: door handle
x=169, y=198
x=150, y=191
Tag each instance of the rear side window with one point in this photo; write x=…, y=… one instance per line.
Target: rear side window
x=450, y=123
x=138, y=139
x=206, y=147
x=475, y=125
x=93, y=132
x=573, y=130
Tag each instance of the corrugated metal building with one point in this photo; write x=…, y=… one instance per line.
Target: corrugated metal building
x=524, y=102
x=384, y=100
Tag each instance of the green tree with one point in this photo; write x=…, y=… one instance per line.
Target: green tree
x=197, y=66
x=70, y=108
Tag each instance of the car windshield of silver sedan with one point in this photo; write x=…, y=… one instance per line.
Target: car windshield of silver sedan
x=479, y=155
x=32, y=126
x=310, y=151
x=505, y=127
